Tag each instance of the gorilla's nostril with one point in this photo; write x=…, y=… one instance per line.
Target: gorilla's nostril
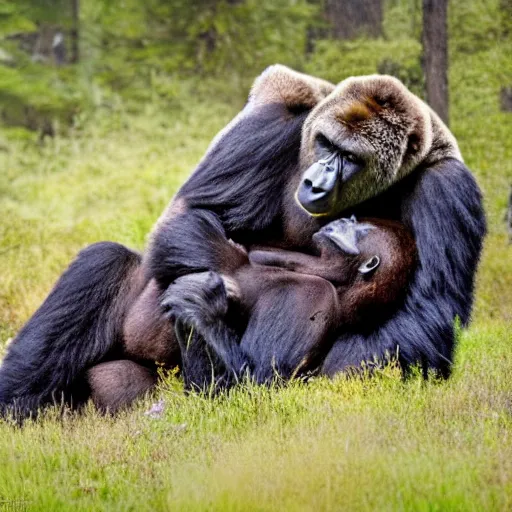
x=308, y=183
x=317, y=190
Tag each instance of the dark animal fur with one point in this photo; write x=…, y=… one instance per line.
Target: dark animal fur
x=244, y=189
x=76, y=326
x=115, y=384
x=443, y=208
x=294, y=304
x=237, y=188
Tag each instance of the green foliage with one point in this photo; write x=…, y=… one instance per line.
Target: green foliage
x=12, y=19
x=140, y=50
x=36, y=95
x=475, y=26
x=219, y=36
x=397, y=53
x=335, y=59
x=403, y=19
x=24, y=15
x=156, y=42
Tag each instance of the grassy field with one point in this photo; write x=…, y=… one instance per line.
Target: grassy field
x=370, y=444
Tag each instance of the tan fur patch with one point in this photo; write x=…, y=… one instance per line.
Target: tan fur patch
x=176, y=208
x=280, y=84
x=232, y=288
x=358, y=111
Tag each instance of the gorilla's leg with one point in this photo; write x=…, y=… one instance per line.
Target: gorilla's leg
x=78, y=324
x=116, y=384
x=148, y=334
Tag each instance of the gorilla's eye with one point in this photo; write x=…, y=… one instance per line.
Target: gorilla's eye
x=382, y=101
x=349, y=157
x=325, y=148
x=325, y=144
x=362, y=232
x=369, y=265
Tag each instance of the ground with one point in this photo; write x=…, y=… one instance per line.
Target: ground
x=365, y=444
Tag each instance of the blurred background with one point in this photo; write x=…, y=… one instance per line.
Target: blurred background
x=106, y=107
x=64, y=59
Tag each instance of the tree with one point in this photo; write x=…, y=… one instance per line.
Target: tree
x=435, y=55
x=75, y=35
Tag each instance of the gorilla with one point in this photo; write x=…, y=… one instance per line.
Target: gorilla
x=284, y=311
x=292, y=304
x=300, y=154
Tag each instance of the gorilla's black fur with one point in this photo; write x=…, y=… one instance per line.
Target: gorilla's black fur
x=239, y=185
x=278, y=314
x=245, y=187
x=235, y=189
x=442, y=206
x=78, y=323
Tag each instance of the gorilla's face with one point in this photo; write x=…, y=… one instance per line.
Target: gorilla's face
x=343, y=235
x=365, y=136
x=324, y=183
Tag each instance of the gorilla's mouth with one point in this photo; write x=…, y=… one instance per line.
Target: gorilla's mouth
x=319, y=190
x=345, y=234
x=316, y=203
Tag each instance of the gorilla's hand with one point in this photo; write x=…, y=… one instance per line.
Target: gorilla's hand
x=196, y=299
x=200, y=301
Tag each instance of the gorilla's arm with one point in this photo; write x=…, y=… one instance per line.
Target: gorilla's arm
x=235, y=191
x=290, y=319
x=443, y=209
x=240, y=183
x=289, y=260
x=210, y=346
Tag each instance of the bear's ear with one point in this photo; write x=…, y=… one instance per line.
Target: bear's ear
x=297, y=91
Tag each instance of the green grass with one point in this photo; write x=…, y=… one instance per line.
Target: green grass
x=370, y=444
x=364, y=444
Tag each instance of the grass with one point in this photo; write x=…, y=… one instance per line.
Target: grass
x=369, y=444
x=365, y=444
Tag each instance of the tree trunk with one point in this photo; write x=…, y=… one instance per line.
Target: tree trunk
x=435, y=55
x=506, y=99
x=506, y=17
x=75, y=31
x=351, y=18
